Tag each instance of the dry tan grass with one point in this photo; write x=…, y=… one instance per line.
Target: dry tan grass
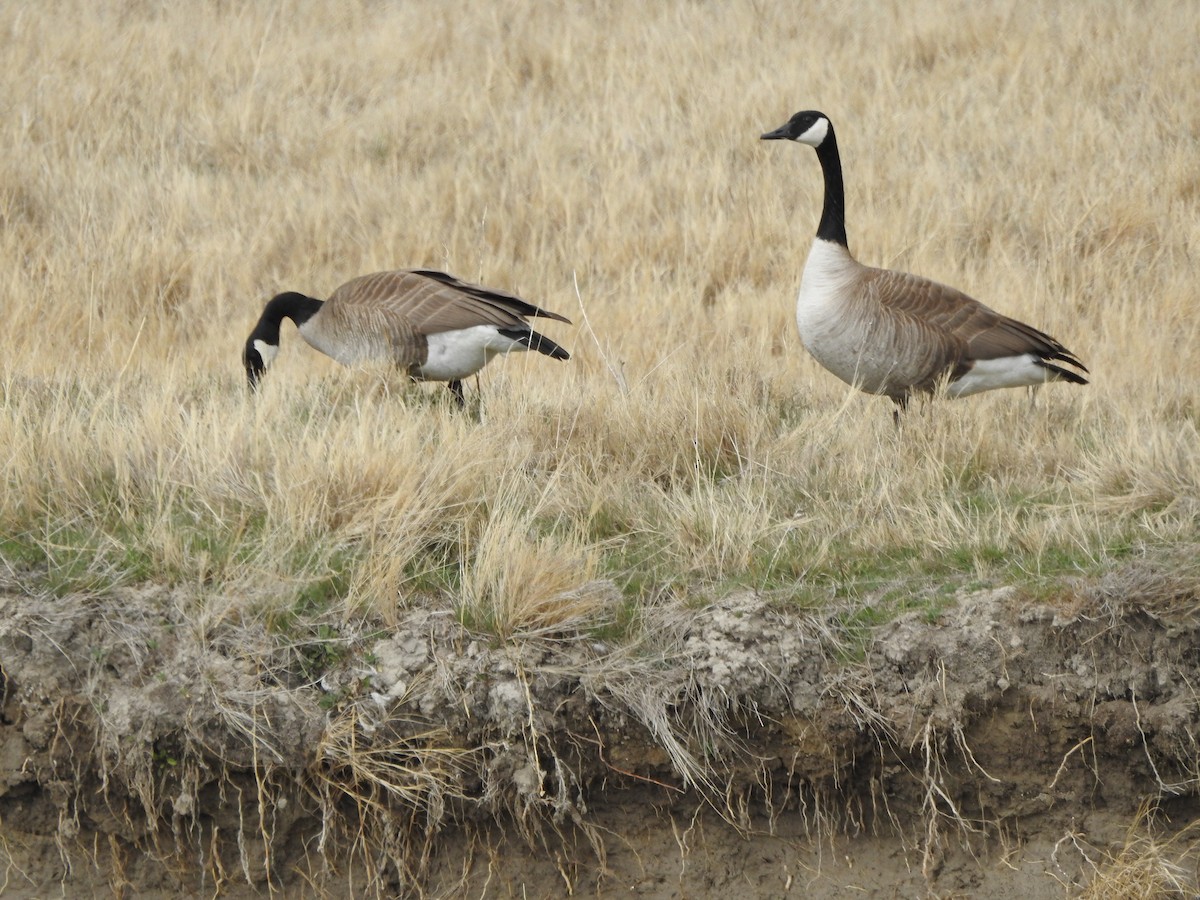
x=1147, y=863
x=168, y=168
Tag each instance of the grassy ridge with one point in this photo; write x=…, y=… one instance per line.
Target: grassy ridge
x=168, y=169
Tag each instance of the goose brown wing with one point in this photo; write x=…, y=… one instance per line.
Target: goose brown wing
x=978, y=330
x=503, y=299
x=433, y=302
x=356, y=330
x=921, y=314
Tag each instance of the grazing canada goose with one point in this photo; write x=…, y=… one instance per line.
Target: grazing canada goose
x=892, y=333
x=427, y=323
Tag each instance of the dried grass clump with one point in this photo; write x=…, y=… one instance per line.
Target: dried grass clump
x=1149, y=863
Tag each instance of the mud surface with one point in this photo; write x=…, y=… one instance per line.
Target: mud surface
x=1008, y=747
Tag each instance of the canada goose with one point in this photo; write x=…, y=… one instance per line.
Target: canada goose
x=428, y=323
x=892, y=333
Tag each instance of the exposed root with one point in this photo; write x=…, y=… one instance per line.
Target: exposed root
x=385, y=795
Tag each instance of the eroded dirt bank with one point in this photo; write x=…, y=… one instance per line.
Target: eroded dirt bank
x=1005, y=748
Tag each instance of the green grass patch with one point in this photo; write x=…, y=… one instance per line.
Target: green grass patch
x=81, y=557
x=434, y=571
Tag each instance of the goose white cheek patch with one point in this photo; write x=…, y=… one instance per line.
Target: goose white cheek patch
x=266, y=351
x=815, y=133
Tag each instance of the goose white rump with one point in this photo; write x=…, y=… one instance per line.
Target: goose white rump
x=1008, y=371
x=454, y=355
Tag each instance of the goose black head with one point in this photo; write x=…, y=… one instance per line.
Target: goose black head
x=263, y=343
x=807, y=127
x=256, y=356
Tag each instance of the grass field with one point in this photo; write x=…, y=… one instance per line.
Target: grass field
x=167, y=170
x=169, y=167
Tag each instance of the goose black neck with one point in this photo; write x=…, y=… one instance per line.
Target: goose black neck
x=832, y=226
x=291, y=305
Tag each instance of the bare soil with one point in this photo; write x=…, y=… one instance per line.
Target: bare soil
x=1007, y=747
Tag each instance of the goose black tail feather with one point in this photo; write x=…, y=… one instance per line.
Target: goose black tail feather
x=1061, y=374
x=1062, y=354
x=535, y=341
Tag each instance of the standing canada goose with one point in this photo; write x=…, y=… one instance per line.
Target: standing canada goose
x=892, y=333
x=430, y=324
